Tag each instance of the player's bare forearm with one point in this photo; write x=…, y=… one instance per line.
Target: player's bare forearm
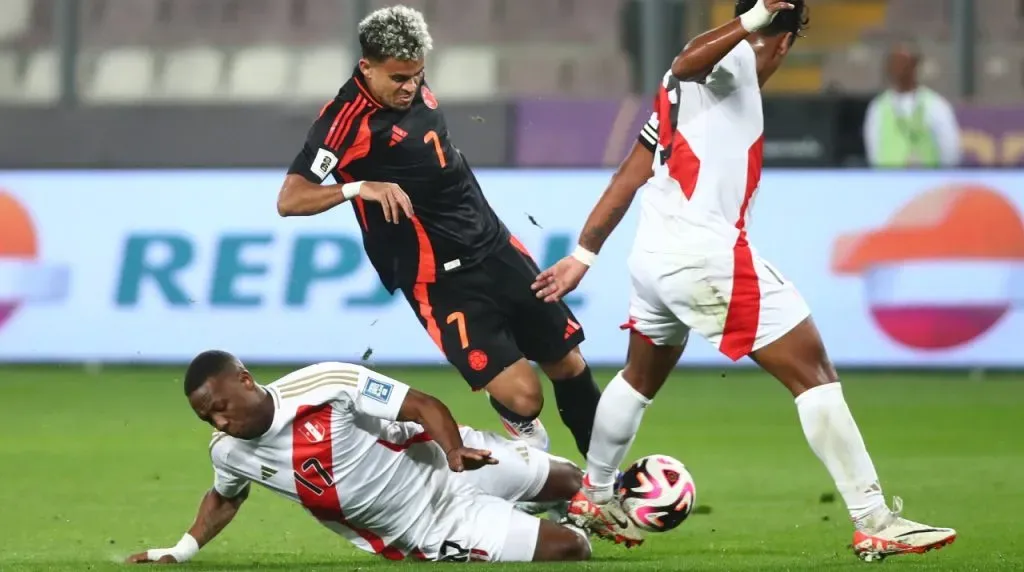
x=215, y=512
x=634, y=171
x=435, y=418
x=299, y=197
x=707, y=49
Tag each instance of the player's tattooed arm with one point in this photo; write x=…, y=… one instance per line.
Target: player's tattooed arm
x=437, y=420
x=215, y=513
x=634, y=171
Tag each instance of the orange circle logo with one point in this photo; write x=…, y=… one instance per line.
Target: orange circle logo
x=913, y=267
x=477, y=360
x=22, y=277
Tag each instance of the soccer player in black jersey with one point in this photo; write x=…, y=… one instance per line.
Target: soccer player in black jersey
x=429, y=232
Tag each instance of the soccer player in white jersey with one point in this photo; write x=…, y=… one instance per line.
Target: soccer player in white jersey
x=377, y=462
x=692, y=267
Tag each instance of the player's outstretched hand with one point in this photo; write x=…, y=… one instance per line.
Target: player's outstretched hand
x=391, y=197
x=466, y=459
x=562, y=278
x=143, y=558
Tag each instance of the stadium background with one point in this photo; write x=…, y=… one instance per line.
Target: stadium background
x=143, y=143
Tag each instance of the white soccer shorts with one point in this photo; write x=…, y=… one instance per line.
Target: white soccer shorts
x=730, y=296
x=485, y=526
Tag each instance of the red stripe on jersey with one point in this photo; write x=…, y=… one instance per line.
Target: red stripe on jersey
x=313, y=461
x=360, y=147
x=366, y=92
x=518, y=244
x=419, y=293
x=397, y=447
x=324, y=108
x=348, y=115
x=684, y=165
x=338, y=120
x=358, y=202
x=426, y=272
x=663, y=108
x=745, y=303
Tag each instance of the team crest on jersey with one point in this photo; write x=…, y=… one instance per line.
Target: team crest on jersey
x=428, y=97
x=378, y=390
x=313, y=431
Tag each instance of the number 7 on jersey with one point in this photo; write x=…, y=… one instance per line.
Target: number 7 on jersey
x=431, y=137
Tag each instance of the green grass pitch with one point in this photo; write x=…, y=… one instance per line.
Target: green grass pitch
x=96, y=465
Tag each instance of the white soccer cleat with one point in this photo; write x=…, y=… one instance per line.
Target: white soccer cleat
x=894, y=535
x=606, y=520
x=533, y=432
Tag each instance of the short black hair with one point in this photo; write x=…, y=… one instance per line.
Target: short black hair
x=206, y=365
x=397, y=32
x=793, y=21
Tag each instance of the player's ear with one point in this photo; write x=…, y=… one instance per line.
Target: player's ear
x=364, y=66
x=784, y=44
x=246, y=378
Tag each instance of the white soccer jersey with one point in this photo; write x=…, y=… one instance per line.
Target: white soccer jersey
x=332, y=449
x=708, y=139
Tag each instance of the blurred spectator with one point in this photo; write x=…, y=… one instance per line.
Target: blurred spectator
x=910, y=125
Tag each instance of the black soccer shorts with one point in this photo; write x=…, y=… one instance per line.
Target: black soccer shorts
x=486, y=317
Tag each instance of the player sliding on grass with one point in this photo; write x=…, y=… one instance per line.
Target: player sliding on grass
x=699, y=161
x=375, y=461
x=429, y=232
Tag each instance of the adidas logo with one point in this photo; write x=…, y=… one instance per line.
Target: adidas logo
x=397, y=135
x=571, y=328
x=267, y=472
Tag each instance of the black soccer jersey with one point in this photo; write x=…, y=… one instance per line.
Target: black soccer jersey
x=357, y=139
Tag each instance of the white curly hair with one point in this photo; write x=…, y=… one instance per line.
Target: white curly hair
x=397, y=32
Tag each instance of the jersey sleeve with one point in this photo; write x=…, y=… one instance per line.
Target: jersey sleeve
x=649, y=133
x=340, y=127
x=226, y=482
x=379, y=396
x=356, y=389
x=737, y=69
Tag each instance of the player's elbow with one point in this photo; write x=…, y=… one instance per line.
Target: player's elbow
x=284, y=205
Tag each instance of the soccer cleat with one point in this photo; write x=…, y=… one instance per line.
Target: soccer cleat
x=606, y=520
x=533, y=432
x=894, y=535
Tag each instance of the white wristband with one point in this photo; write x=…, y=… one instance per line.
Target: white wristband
x=351, y=190
x=186, y=548
x=756, y=18
x=585, y=256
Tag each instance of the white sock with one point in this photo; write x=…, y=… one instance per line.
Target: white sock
x=834, y=437
x=617, y=420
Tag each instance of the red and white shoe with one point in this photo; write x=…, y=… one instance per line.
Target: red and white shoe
x=533, y=432
x=606, y=520
x=895, y=535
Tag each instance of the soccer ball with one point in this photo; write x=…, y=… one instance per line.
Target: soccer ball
x=657, y=492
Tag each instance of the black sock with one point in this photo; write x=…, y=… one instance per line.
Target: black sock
x=577, y=399
x=508, y=413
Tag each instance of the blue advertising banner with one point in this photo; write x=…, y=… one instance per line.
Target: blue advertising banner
x=920, y=269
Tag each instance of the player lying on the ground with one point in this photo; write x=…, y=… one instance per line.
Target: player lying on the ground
x=375, y=461
x=429, y=232
x=692, y=267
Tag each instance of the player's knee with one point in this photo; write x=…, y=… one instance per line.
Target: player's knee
x=528, y=404
x=570, y=366
x=576, y=547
